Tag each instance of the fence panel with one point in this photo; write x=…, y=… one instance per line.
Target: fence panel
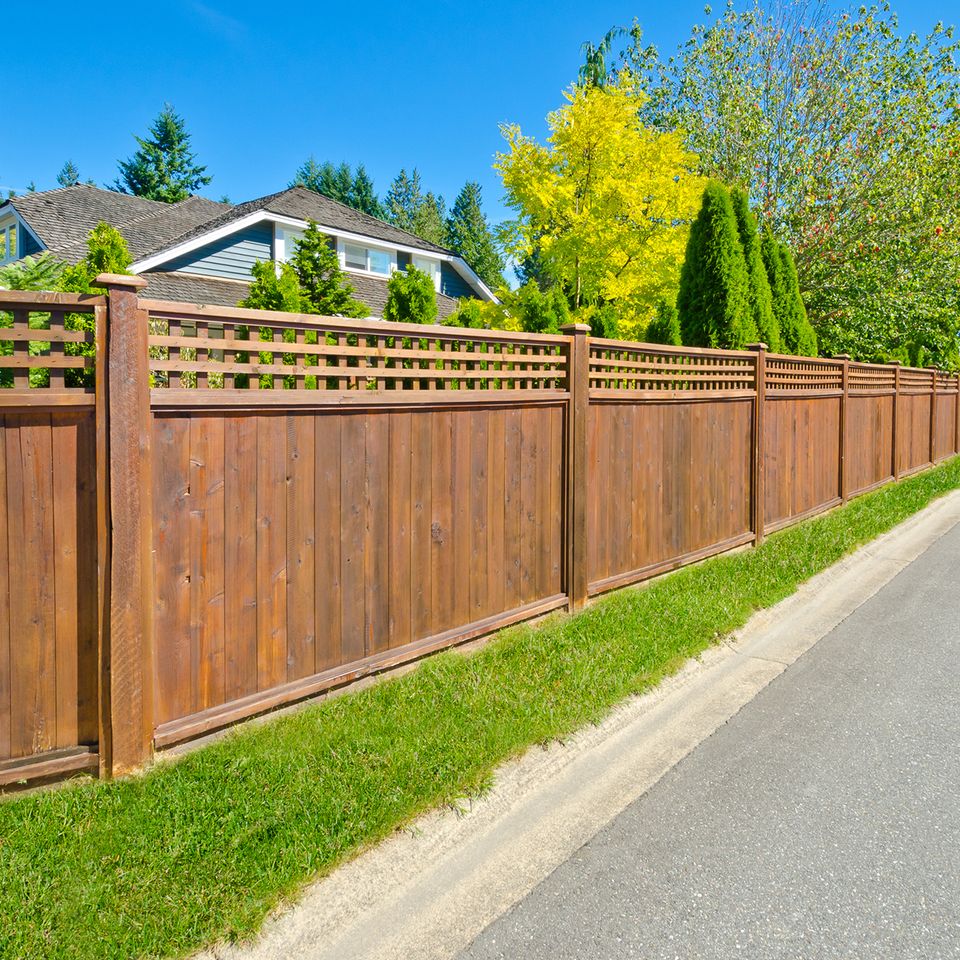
x=801, y=438
x=869, y=426
x=669, y=458
x=945, y=430
x=48, y=535
x=913, y=420
x=409, y=495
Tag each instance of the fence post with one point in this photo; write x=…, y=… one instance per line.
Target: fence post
x=844, y=486
x=757, y=513
x=933, y=416
x=130, y=659
x=896, y=418
x=956, y=428
x=578, y=372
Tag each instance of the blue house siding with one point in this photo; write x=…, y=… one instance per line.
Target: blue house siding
x=231, y=257
x=452, y=284
x=28, y=246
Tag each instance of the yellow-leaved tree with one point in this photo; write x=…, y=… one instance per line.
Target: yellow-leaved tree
x=604, y=207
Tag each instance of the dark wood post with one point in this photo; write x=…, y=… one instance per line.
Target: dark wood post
x=578, y=355
x=956, y=428
x=757, y=505
x=130, y=661
x=844, y=358
x=933, y=416
x=896, y=419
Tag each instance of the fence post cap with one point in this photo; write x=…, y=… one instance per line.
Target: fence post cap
x=842, y=356
x=121, y=280
x=757, y=346
x=895, y=363
x=574, y=328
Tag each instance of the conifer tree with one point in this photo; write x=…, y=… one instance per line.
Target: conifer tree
x=713, y=303
x=164, y=167
x=468, y=234
x=665, y=325
x=69, y=175
x=274, y=289
x=323, y=288
x=761, y=298
x=411, y=297
x=796, y=333
x=403, y=200
x=363, y=197
x=429, y=221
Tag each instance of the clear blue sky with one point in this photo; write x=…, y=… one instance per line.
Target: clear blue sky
x=264, y=85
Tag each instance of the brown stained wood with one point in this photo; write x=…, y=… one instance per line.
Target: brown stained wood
x=271, y=551
x=301, y=546
x=461, y=483
x=5, y=562
x=555, y=518
x=530, y=454
x=353, y=534
x=375, y=543
x=496, y=512
x=869, y=443
x=207, y=562
x=400, y=570
x=478, y=488
x=513, y=516
x=328, y=541
x=421, y=521
x=441, y=523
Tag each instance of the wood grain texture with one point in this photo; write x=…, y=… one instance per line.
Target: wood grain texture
x=869, y=442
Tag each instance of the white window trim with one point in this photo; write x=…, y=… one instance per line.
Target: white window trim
x=435, y=268
x=6, y=225
x=342, y=255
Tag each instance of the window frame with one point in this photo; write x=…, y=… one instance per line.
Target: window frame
x=435, y=268
x=6, y=227
x=391, y=254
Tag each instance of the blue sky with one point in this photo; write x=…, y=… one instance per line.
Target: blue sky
x=262, y=86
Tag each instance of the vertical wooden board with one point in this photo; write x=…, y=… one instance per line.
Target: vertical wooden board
x=441, y=524
x=240, y=551
x=88, y=616
x=421, y=473
x=541, y=513
x=623, y=532
x=64, y=503
x=353, y=520
x=633, y=494
x=462, y=498
x=5, y=558
x=512, y=509
x=271, y=551
x=328, y=541
x=529, y=467
x=301, y=545
x=376, y=536
x=171, y=534
x=32, y=613
x=555, y=517
x=479, y=489
x=496, y=511
x=400, y=570
x=596, y=493
x=207, y=555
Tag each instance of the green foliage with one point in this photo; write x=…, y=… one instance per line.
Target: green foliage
x=846, y=128
x=69, y=175
x=539, y=312
x=107, y=252
x=341, y=184
x=665, y=326
x=761, y=298
x=41, y=272
x=324, y=289
x=363, y=197
x=206, y=845
x=411, y=297
x=403, y=200
x=165, y=167
x=429, y=220
x=274, y=289
x=714, y=298
x=796, y=334
x=468, y=234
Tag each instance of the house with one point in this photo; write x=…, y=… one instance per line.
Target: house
x=201, y=251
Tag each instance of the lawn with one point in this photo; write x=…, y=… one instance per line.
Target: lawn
x=202, y=848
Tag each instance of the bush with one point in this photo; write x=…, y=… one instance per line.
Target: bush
x=714, y=299
x=797, y=336
x=411, y=297
x=665, y=326
x=761, y=297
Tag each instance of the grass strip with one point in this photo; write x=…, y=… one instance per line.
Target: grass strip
x=202, y=849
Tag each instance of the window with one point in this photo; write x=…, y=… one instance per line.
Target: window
x=8, y=242
x=368, y=259
x=286, y=242
x=431, y=268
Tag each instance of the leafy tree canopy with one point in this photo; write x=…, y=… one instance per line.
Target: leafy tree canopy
x=469, y=235
x=164, y=167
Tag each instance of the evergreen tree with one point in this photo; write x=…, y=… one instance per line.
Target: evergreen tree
x=41, y=272
x=164, y=168
x=761, y=298
x=309, y=174
x=362, y=195
x=271, y=290
x=411, y=297
x=714, y=298
x=796, y=333
x=403, y=200
x=335, y=182
x=665, y=326
x=69, y=175
x=469, y=235
x=540, y=312
x=323, y=288
x=429, y=221
x=107, y=252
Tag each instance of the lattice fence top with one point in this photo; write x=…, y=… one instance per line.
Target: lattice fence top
x=789, y=375
x=626, y=369
x=47, y=347
x=871, y=378
x=914, y=381
x=948, y=383
x=238, y=351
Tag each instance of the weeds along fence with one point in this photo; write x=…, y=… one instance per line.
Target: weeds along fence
x=206, y=513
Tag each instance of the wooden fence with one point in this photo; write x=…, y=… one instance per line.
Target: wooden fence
x=228, y=510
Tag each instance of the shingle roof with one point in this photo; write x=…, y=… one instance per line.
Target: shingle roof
x=303, y=204
x=188, y=288
x=63, y=218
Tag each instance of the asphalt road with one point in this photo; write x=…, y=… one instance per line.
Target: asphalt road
x=822, y=821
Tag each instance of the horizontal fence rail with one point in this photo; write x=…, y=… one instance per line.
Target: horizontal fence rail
x=207, y=513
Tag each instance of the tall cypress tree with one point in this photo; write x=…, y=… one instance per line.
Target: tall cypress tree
x=761, y=298
x=714, y=298
x=164, y=167
x=665, y=326
x=797, y=335
x=469, y=235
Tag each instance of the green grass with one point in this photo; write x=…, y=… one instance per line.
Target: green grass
x=203, y=848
